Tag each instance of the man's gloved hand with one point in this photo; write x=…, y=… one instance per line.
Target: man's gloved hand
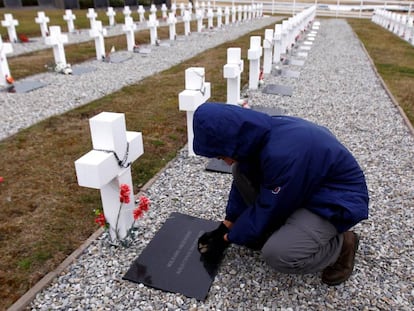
x=211, y=244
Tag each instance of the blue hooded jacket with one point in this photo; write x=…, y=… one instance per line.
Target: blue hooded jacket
x=295, y=164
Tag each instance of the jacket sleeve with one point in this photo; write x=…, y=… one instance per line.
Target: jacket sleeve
x=235, y=205
x=276, y=201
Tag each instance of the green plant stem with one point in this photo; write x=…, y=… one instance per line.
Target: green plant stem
x=116, y=224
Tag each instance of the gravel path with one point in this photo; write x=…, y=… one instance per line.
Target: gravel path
x=337, y=88
x=65, y=92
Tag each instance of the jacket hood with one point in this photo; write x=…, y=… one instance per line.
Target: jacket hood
x=229, y=130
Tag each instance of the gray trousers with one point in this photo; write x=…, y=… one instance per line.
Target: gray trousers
x=306, y=243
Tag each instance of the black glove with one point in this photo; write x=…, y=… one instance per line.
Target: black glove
x=212, y=245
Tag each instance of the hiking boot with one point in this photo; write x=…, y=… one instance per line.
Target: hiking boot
x=341, y=270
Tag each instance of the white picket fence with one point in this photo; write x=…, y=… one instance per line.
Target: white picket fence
x=335, y=8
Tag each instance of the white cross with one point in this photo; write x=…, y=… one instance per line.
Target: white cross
x=187, y=20
x=233, y=14
x=210, y=16
x=408, y=29
x=153, y=10
x=277, y=45
x=196, y=92
x=5, y=48
x=111, y=16
x=267, y=55
x=164, y=10
x=285, y=43
x=56, y=39
x=199, y=18
x=152, y=24
x=219, y=17
x=254, y=10
x=10, y=24
x=91, y=15
x=226, y=15
x=240, y=13
x=174, y=8
x=171, y=21
x=245, y=10
x=42, y=20
x=69, y=17
x=98, y=34
x=253, y=55
x=141, y=12
x=129, y=28
x=231, y=72
x=403, y=23
x=100, y=169
x=127, y=11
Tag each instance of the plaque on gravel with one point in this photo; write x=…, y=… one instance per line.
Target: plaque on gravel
x=278, y=90
x=219, y=166
x=297, y=62
x=80, y=70
x=25, y=86
x=119, y=58
x=171, y=261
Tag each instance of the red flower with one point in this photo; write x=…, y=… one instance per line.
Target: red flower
x=144, y=203
x=1, y=179
x=100, y=220
x=137, y=213
x=124, y=195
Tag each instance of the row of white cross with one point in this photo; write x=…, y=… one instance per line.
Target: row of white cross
x=54, y=37
x=245, y=12
x=197, y=91
x=400, y=24
x=101, y=168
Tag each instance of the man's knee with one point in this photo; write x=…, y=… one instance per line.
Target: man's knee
x=279, y=256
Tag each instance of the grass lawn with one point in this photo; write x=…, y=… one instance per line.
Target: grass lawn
x=45, y=215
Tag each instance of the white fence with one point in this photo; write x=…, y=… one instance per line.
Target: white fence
x=336, y=8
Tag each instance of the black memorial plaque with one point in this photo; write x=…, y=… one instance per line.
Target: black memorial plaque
x=119, y=58
x=278, y=90
x=80, y=70
x=219, y=166
x=25, y=86
x=171, y=261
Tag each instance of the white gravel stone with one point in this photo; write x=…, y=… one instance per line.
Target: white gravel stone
x=337, y=88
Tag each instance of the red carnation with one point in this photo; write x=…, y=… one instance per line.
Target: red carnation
x=137, y=213
x=100, y=220
x=124, y=194
x=144, y=203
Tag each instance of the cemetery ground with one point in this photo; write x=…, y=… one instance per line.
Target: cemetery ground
x=43, y=224
x=46, y=215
